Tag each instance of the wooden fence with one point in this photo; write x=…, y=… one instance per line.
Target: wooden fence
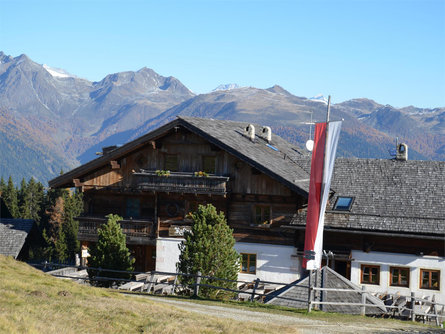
x=157, y=282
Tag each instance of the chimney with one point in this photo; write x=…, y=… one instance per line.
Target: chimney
x=250, y=132
x=108, y=149
x=402, y=152
x=267, y=132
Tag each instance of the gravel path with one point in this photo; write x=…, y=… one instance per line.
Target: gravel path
x=303, y=324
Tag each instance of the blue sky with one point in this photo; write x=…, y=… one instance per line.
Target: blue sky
x=392, y=51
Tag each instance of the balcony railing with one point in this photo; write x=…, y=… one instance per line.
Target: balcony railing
x=133, y=229
x=180, y=183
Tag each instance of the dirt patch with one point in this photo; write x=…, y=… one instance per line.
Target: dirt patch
x=37, y=293
x=64, y=293
x=304, y=325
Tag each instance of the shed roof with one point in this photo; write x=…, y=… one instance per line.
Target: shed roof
x=276, y=159
x=296, y=294
x=388, y=195
x=13, y=233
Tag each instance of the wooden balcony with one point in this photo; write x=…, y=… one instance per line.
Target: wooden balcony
x=137, y=231
x=180, y=183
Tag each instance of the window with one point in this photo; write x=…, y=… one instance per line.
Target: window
x=370, y=274
x=248, y=263
x=208, y=164
x=171, y=162
x=263, y=214
x=133, y=207
x=399, y=276
x=430, y=279
x=147, y=208
x=343, y=203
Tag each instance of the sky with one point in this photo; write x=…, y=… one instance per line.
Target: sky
x=391, y=51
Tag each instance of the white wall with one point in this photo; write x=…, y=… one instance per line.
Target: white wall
x=414, y=262
x=274, y=262
x=167, y=254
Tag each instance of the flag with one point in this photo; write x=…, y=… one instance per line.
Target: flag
x=322, y=165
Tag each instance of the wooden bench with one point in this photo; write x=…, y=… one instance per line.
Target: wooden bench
x=132, y=286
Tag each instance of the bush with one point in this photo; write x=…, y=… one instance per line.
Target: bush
x=110, y=252
x=208, y=248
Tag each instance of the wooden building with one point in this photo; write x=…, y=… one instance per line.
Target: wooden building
x=156, y=180
x=385, y=225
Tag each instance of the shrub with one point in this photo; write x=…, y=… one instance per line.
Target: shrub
x=110, y=252
x=208, y=248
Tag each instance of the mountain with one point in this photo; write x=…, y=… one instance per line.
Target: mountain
x=287, y=115
x=227, y=87
x=69, y=114
x=51, y=119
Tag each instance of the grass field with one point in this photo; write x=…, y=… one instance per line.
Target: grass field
x=34, y=302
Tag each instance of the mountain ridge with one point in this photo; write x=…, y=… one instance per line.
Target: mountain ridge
x=68, y=119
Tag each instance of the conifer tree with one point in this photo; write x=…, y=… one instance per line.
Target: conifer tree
x=73, y=208
x=53, y=233
x=23, y=197
x=33, y=199
x=59, y=226
x=2, y=185
x=110, y=252
x=9, y=195
x=208, y=248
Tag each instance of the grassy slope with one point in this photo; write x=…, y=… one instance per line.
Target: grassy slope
x=33, y=302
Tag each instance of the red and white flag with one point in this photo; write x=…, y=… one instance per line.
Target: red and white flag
x=322, y=165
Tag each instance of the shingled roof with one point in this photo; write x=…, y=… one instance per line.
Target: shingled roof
x=389, y=195
x=13, y=234
x=276, y=159
x=296, y=294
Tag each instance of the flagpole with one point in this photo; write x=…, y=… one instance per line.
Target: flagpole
x=324, y=157
x=325, y=147
x=329, y=109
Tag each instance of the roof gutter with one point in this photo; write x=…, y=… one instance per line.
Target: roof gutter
x=361, y=232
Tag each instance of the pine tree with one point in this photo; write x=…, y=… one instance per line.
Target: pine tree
x=73, y=208
x=60, y=228
x=208, y=248
x=34, y=199
x=23, y=197
x=9, y=195
x=53, y=233
x=110, y=252
x=2, y=185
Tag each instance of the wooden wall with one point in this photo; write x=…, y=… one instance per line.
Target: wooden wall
x=190, y=149
x=103, y=202
x=242, y=208
x=247, y=188
x=344, y=242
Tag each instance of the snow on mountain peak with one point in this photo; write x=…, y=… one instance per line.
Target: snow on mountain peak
x=57, y=72
x=227, y=87
x=319, y=98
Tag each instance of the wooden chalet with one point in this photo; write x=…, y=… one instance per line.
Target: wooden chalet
x=154, y=181
x=384, y=226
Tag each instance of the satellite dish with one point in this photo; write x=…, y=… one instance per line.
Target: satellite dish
x=310, y=145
